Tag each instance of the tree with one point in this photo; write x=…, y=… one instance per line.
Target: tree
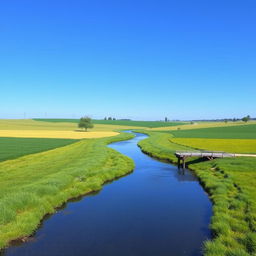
x=110, y=118
x=166, y=119
x=105, y=118
x=114, y=118
x=246, y=119
x=85, y=122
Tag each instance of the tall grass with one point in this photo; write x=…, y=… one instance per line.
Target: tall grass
x=34, y=185
x=231, y=184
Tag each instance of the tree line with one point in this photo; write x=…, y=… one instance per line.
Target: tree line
x=244, y=119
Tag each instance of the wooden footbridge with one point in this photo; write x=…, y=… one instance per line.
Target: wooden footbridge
x=183, y=155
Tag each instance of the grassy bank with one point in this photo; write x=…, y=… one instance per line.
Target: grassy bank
x=159, y=145
x=34, y=185
x=231, y=184
x=11, y=148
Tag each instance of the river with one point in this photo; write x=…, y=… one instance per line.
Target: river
x=157, y=210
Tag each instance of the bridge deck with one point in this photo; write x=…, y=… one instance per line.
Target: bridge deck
x=204, y=154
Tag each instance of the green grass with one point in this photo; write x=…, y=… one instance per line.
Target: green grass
x=230, y=132
x=159, y=145
x=231, y=184
x=11, y=148
x=34, y=185
x=149, y=124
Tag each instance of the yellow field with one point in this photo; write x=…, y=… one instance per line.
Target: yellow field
x=226, y=145
x=202, y=125
x=36, y=129
x=28, y=124
x=55, y=134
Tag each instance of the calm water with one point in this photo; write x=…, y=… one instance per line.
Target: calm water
x=157, y=210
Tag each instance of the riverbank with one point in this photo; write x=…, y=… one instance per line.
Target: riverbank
x=231, y=184
x=34, y=185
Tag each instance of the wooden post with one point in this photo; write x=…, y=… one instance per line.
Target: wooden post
x=178, y=162
x=184, y=163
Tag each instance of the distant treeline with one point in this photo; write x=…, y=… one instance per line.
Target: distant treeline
x=113, y=118
x=122, y=122
x=221, y=120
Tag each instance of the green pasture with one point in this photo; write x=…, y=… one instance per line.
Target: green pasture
x=229, y=132
x=11, y=148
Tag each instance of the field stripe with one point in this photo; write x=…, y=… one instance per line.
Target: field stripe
x=55, y=134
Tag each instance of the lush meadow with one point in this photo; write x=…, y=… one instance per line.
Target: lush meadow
x=231, y=184
x=34, y=185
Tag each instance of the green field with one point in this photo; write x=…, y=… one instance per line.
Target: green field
x=230, y=132
x=34, y=185
x=231, y=184
x=149, y=124
x=11, y=148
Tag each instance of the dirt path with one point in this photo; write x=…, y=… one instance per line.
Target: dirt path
x=250, y=155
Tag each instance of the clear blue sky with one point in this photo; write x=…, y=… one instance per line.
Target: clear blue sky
x=137, y=59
